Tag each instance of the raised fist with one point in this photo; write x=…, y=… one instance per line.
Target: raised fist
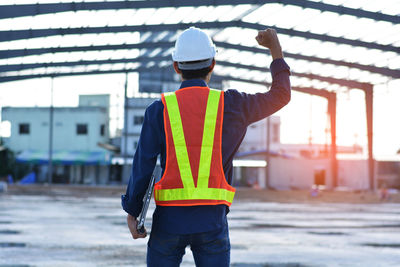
x=269, y=39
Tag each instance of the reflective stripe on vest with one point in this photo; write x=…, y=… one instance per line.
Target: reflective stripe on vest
x=189, y=191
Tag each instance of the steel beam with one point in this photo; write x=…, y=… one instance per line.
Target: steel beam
x=322, y=37
x=313, y=91
x=35, y=33
x=13, y=11
x=307, y=90
x=368, y=89
x=11, y=53
x=369, y=98
x=165, y=45
x=384, y=71
x=342, y=82
x=19, y=67
x=331, y=97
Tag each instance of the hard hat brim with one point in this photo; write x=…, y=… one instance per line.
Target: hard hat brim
x=195, y=65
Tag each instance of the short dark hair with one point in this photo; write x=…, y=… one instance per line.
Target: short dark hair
x=195, y=74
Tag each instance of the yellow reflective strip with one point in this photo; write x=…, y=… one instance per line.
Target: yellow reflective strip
x=207, y=143
x=179, y=140
x=194, y=193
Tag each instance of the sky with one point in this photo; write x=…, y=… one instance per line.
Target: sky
x=304, y=119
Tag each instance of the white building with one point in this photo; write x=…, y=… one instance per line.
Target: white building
x=135, y=115
x=76, y=134
x=257, y=135
x=296, y=165
x=79, y=128
x=102, y=100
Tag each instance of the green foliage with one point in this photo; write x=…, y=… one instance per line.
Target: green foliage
x=8, y=165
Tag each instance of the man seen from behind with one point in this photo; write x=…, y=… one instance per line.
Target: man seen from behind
x=197, y=131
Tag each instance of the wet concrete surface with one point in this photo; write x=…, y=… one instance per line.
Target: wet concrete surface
x=91, y=231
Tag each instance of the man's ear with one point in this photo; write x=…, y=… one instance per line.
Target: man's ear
x=177, y=70
x=212, y=65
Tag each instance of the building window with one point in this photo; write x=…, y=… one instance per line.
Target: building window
x=138, y=120
x=24, y=128
x=81, y=129
x=135, y=144
x=102, y=130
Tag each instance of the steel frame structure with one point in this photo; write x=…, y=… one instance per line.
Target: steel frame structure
x=12, y=11
x=7, y=72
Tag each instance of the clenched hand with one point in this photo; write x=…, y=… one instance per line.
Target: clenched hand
x=269, y=39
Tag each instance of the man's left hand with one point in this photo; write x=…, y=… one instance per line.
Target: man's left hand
x=132, y=225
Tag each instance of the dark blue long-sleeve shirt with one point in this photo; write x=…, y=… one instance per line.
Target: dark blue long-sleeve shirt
x=240, y=110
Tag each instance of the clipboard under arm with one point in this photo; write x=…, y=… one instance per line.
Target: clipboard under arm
x=146, y=203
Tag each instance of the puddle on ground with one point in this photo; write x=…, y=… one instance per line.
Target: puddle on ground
x=266, y=225
x=328, y=233
x=240, y=218
x=5, y=222
x=377, y=245
x=119, y=223
x=239, y=247
x=9, y=232
x=271, y=264
x=271, y=225
x=110, y=217
x=12, y=245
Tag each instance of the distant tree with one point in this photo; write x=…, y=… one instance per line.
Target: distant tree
x=6, y=159
x=9, y=165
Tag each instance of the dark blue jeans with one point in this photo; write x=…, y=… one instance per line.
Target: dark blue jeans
x=209, y=248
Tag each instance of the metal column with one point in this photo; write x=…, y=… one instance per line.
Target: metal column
x=368, y=89
x=50, y=163
x=332, y=116
x=268, y=157
x=125, y=153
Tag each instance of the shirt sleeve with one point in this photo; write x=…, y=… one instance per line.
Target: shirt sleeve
x=144, y=160
x=254, y=107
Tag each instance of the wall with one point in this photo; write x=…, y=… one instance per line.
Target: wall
x=256, y=135
x=353, y=174
x=64, y=129
x=297, y=173
x=136, y=108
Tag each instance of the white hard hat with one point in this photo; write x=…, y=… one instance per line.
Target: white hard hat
x=194, y=44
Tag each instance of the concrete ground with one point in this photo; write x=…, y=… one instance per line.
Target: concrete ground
x=82, y=226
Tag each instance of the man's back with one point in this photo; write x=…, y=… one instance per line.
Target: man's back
x=240, y=110
x=200, y=225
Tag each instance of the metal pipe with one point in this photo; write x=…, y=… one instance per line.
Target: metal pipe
x=125, y=153
x=332, y=115
x=50, y=163
x=369, y=110
x=268, y=167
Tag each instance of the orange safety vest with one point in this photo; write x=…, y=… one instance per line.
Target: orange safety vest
x=193, y=173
